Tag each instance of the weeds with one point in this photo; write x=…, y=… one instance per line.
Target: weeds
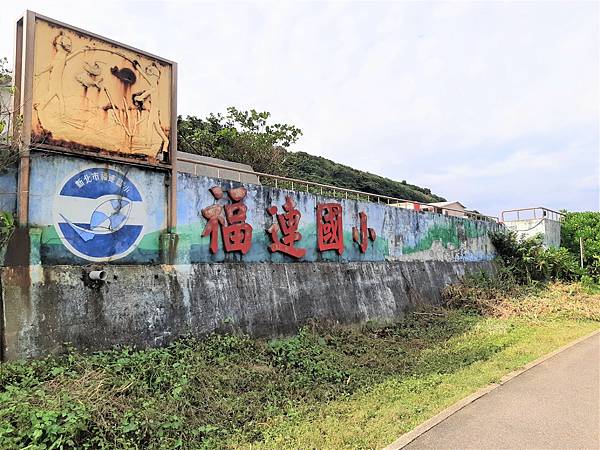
x=201, y=393
x=231, y=390
x=227, y=390
x=529, y=262
x=7, y=226
x=584, y=226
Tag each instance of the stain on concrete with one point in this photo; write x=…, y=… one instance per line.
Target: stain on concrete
x=153, y=305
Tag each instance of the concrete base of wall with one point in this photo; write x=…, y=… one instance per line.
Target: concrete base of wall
x=46, y=307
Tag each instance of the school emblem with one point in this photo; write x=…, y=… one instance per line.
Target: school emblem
x=99, y=214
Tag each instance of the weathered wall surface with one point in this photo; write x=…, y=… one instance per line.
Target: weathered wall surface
x=149, y=305
x=72, y=199
x=8, y=190
x=66, y=195
x=552, y=233
x=86, y=215
x=402, y=235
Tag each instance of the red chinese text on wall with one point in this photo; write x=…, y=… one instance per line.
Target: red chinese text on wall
x=361, y=236
x=330, y=234
x=236, y=233
x=287, y=223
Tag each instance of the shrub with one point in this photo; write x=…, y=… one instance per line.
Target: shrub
x=528, y=261
x=308, y=357
x=584, y=225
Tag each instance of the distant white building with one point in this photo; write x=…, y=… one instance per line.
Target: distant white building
x=408, y=205
x=454, y=209
x=528, y=222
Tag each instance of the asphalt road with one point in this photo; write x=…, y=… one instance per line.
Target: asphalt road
x=554, y=405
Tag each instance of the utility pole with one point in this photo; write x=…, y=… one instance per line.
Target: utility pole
x=581, y=251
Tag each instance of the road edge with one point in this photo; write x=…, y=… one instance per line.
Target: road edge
x=410, y=436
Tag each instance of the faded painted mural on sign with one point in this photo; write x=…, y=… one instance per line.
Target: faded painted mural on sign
x=91, y=94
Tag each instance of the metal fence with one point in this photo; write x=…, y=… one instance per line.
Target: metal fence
x=294, y=184
x=536, y=212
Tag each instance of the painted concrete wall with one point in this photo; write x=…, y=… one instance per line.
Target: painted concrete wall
x=81, y=211
x=402, y=235
x=8, y=190
x=70, y=197
x=47, y=306
x=67, y=192
x=549, y=229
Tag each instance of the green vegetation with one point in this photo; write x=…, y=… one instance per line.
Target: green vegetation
x=587, y=226
x=527, y=261
x=327, y=387
x=7, y=226
x=5, y=73
x=239, y=136
x=246, y=137
x=5, y=80
x=321, y=170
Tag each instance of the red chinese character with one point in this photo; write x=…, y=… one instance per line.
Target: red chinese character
x=237, y=234
x=361, y=237
x=330, y=235
x=287, y=223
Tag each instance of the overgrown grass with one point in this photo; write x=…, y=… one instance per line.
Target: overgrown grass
x=327, y=387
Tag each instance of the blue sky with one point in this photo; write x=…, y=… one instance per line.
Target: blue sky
x=495, y=104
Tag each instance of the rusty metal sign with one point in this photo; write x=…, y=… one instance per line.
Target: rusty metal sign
x=90, y=94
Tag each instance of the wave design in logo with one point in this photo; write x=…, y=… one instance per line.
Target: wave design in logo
x=99, y=214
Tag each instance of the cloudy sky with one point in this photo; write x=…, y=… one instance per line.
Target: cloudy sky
x=495, y=104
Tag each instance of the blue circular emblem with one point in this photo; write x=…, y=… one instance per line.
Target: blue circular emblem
x=99, y=214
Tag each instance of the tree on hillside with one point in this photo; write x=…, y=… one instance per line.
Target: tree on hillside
x=239, y=136
x=247, y=137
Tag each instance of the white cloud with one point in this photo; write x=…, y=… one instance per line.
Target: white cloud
x=434, y=93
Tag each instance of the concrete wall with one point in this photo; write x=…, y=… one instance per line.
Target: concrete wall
x=48, y=306
x=156, y=292
x=59, y=208
x=57, y=211
x=8, y=190
x=402, y=235
x=549, y=229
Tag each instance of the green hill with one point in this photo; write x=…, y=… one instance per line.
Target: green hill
x=321, y=170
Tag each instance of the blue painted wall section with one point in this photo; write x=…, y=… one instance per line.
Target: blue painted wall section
x=8, y=190
x=85, y=211
x=89, y=211
x=401, y=234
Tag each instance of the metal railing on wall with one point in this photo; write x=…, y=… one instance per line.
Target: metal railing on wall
x=536, y=212
x=294, y=184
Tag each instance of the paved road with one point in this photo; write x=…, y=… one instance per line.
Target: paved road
x=555, y=405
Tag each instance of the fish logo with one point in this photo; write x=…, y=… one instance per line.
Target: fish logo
x=99, y=214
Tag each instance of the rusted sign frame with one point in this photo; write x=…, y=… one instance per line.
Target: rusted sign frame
x=23, y=81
